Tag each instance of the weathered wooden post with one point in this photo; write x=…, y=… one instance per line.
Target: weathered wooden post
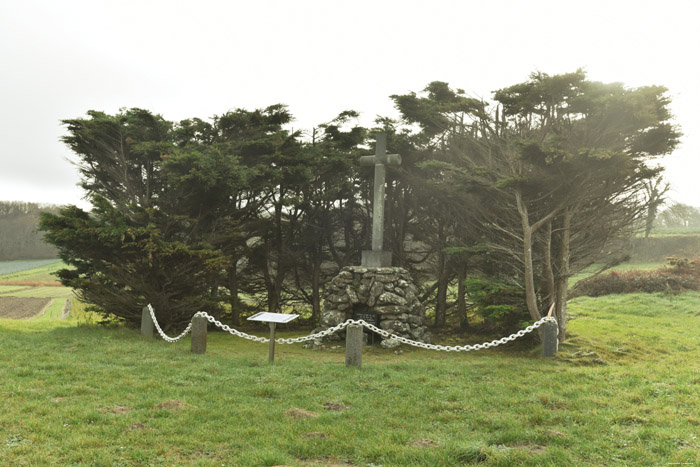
x=550, y=342
x=271, y=353
x=146, y=322
x=198, y=344
x=353, y=345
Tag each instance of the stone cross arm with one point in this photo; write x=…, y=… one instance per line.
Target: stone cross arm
x=380, y=155
x=384, y=159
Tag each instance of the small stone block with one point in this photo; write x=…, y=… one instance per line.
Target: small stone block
x=198, y=343
x=146, y=322
x=353, y=345
x=550, y=343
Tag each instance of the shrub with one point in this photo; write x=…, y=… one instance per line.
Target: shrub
x=500, y=303
x=681, y=275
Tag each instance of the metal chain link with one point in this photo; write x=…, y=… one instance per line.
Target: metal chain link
x=160, y=331
x=334, y=329
x=456, y=348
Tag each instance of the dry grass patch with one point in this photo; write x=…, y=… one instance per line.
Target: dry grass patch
x=423, y=443
x=172, y=405
x=300, y=413
x=115, y=409
x=137, y=427
x=335, y=406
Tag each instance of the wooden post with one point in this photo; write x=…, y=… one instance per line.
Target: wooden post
x=146, y=322
x=550, y=343
x=198, y=344
x=271, y=357
x=353, y=345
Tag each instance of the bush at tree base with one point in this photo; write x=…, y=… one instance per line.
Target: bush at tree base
x=500, y=303
x=680, y=275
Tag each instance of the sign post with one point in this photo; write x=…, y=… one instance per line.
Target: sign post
x=272, y=319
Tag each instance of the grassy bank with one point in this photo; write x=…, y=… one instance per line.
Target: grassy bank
x=623, y=391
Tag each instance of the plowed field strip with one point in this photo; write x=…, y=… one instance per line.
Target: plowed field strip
x=22, y=308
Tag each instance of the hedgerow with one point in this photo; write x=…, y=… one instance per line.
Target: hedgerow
x=680, y=275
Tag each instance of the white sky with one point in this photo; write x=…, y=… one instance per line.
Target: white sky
x=186, y=59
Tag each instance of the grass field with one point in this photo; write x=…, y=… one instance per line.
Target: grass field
x=622, y=391
x=32, y=273
x=9, y=267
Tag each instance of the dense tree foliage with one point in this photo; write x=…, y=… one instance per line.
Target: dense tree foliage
x=493, y=208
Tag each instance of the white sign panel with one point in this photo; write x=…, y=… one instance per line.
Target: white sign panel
x=273, y=317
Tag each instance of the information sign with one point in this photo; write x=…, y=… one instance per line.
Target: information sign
x=273, y=317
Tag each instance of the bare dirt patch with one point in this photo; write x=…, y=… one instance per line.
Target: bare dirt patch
x=423, y=443
x=335, y=406
x=172, y=405
x=22, y=308
x=137, y=426
x=32, y=283
x=300, y=413
x=115, y=409
x=325, y=462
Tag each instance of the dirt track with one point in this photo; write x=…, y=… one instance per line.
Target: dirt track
x=22, y=308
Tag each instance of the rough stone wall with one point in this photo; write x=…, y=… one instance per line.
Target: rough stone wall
x=389, y=292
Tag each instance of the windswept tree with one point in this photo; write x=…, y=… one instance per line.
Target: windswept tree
x=559, y=163
x=138, y=245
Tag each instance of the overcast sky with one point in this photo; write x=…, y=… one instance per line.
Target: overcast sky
x=186, y=59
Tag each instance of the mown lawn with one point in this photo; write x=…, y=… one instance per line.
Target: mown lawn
x=624, y=390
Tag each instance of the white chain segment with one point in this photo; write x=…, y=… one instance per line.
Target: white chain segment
x=160, y=331
x=334, y=329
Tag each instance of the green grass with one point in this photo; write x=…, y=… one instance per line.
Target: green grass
x=622, y=391
x=10, y=289
x=53, y=311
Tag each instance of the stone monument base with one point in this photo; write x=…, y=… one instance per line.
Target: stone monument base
x=385, y=295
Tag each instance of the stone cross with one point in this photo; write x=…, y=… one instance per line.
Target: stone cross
x=376, y=257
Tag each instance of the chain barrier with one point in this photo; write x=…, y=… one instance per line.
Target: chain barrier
x=334, y=329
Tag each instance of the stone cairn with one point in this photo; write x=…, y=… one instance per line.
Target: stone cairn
x=387, y=294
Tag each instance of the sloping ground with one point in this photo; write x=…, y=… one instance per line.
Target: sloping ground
x=22, y=308
x=10, y=267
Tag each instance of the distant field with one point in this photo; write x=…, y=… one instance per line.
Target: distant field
x=35, y=272
x=39, y=292
x=620, y=268
x=30, y=288
x=675, y=231
x=9, y=267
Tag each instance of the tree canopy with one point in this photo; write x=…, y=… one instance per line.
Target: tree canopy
x=504, y=199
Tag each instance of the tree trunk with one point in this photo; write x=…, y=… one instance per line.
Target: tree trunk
x=442, y=276
x=273, y=299
x=530, y=294
x=316, y=292
x=563, y=283
x=233, y=294
x=548, y=269
x=461, y=297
